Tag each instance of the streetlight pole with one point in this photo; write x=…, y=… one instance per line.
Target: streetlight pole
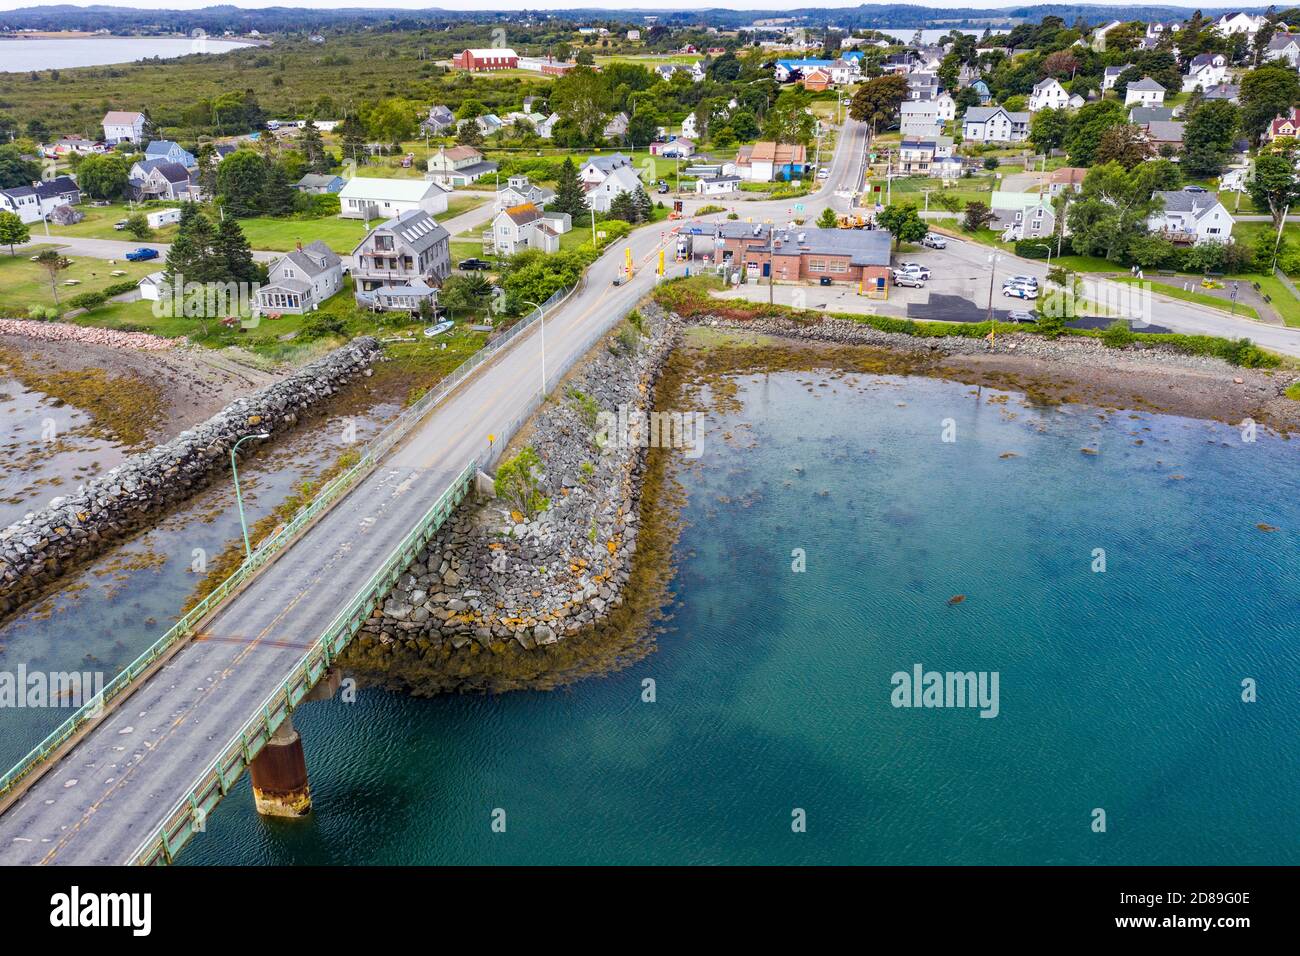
x=541, y=330
x=239, y=498
x=994, y=259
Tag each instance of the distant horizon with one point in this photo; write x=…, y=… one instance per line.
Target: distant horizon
x=474, y=6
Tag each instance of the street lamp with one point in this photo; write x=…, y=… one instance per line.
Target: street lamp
x=239, y=498
x=994, y=259
x=541, y=331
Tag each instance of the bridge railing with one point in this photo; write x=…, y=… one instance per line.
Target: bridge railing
x=389, y=436
x=187, y=815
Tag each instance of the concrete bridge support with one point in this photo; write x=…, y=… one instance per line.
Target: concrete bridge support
x=279, y=772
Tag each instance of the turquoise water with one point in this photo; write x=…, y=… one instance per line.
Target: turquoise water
x=1118, y=690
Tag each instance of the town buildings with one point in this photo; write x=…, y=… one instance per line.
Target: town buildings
x=301, y=280
x=402, y=263
x=370, y=197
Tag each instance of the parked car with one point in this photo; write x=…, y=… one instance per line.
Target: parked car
x=620, y=279
x=825, y=280
x=913, y=268
x=141, y=254
x=934, y=241
x=823, y=173
x=1020, y=280
x=120, y=225
x=1022, y=315
x=662, y=188
x=909, y=280
x=470, y=265
x=438, y=329
x=1020, y=291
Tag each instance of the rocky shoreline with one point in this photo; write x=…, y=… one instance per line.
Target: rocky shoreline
x=494, y=591
x=45, y=544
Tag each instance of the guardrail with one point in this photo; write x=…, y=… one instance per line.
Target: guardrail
x=187, y=815
x=390, y=435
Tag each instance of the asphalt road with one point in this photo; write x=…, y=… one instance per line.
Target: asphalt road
x=109, y=792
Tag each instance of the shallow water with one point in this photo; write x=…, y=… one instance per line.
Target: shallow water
x=1118, y=689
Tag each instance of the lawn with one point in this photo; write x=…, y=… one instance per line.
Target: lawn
x=24, y=283
x=459, y=203
x=99, y=221
x=281, y=235
x=1286, y=304
x=1200, y=298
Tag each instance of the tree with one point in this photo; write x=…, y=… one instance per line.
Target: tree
x=828, y=219
x=241, y=183
x=14, y=170
x=13, y=231
x=622, y=207
x=1208, y=137
x=518, y=483
x=468, y=133
x=581, y=99
x=313, y=149
x=1125, y=144
x=102, y=177
x=1114, y=205
x=643, y=204
x=392, y=120
x=978, y=215
x=53, y=264
x=1087, y=128
x=190, y=257
x=353, y=137
x=1267, y=92
x=277, y=192
x=1274, y=186
x=903, y=222
x=570, y=197
x=1048, y=129
x=137, y=224
x=877, y=101
x=232, y=255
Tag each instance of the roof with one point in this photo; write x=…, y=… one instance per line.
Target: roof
x=1067, y=174
x=767, y=151
x=481, y=53
x=1146, y=84
x=982, y=114
x=1141, y=115
x=1166, y=131
x=49, y=188
x=522, y=214
x=1278, y=41
x=122, y=118
x=172, y=172
x=317, y=180
x=461, y=152
x=606, y=163
x=1012, y=200
x=161, y=147
x=393, y=190
x=1181, y=200
x=415, y=227
x=314, y=258
x=864, y=247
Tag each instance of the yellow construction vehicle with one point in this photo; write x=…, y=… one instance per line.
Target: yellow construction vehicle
x=852, y=222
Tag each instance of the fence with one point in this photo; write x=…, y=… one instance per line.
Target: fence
x=389, y=436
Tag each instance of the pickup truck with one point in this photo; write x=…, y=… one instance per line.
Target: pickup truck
x=141, y=254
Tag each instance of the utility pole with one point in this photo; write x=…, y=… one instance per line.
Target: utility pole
x=1278, y=242
x=994, y=259
x=771, y=262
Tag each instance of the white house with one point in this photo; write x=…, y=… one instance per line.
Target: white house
x=920, y=118
x=1145, y=92
x=1206, y=71
x=621, y=179
x=993, y=124
x=946, y=106
x=366, y=197
x=598, y=167
x=1110, y=75
x=717, y=185
x=36, y=202
x=689, y=129
x=1191, y=215
x=518, y=190
x=1247, y=23
x=301, y=280
x=523, y=227
x=1099, y=35
x=1048, y=94
x=122, y=126
x=1284, y=47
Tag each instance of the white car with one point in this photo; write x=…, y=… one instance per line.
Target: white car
x=435, y=330
x=913, y=268
x=934, y=241
x=1020, y=280
x=823, y=173
x=909, y=280
x=1020, y=291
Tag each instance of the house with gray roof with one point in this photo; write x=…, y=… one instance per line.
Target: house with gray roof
x=993, y=124
x=1191, y=215
x=1145, y=92
x=402, y=260
x=301, y=280
x=802, y=254
x=1141, y=115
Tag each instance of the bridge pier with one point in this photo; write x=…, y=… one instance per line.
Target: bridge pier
x=279, y=773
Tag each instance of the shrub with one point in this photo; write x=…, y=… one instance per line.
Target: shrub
x=1118, y=335
x=518, y=482
x=87, y=300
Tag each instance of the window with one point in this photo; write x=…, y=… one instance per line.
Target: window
x=839, y=266
x=816, y=265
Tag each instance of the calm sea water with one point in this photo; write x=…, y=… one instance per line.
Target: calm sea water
x=1118, y=690
x=19, y=56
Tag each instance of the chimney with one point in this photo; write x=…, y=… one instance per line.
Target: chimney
x=298, y=244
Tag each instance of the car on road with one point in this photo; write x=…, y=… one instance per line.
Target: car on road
x=913, y=268
x=823, y=173
x=471, y=265
x=142, y=254
x=1020, y=291
x=1022, y=315
x=662, y=188
x=1020, y=280
x=909, y=280
x=934, y=241
x=620, y=279
x=436, y=330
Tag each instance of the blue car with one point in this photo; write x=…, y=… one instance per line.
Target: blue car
x=140, y=255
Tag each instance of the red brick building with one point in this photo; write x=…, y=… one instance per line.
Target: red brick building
x=803, y=254
x=502, y=58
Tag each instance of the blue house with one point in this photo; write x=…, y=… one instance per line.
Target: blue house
x=171, y=152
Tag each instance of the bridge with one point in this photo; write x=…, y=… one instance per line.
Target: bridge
x=133, y=780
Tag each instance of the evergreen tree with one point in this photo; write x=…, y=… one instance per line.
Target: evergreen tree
x=190, y=258
x=233, y=254
x=241, y=182
x=207, y=160
x=642, y=203
x=313, y=149
x=278, y=192
x=570, y=197
x=354, y=140
x=623, y=206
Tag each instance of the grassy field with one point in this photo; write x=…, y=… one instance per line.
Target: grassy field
x=99, y=221
x=24, y=283
x=1200, y=298
x=281, y=235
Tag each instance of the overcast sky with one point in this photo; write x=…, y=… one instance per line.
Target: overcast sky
x=768, y=5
